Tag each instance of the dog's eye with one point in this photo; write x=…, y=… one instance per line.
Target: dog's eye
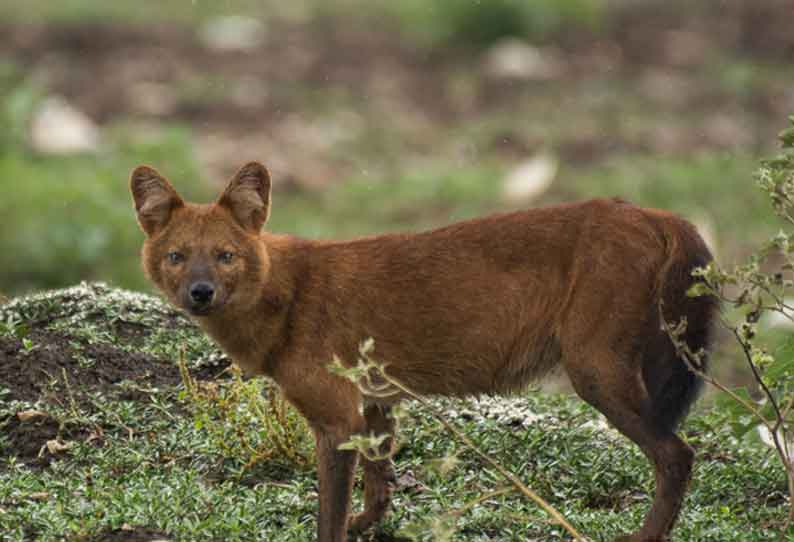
x=225, y=257
x=175, y=257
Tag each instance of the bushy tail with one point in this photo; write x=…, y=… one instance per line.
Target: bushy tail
x=672, y=386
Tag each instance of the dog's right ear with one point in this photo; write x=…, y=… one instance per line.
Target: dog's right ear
x=154, y=199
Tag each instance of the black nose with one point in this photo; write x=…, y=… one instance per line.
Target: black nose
x=201, y=293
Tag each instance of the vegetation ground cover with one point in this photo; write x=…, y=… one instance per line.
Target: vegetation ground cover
x=133, y=463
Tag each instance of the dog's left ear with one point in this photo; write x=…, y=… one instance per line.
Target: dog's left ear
x=247, y=196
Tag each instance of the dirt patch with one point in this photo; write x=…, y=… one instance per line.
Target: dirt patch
x=65, y=373
x=28, y=440
x=55, y=362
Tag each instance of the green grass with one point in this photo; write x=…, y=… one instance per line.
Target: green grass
x=442, y=22
x=68, y=219
x=156, y=468
x=413, y=201
x=164, y=478
x=476, y=25
x=718, y=188
x=180, y=11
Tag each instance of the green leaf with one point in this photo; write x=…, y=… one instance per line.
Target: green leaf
x=698, y=289
x=781, y=369
x=787, y=137
x=740, y=419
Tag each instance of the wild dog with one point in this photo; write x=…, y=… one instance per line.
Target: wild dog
x=482, y=306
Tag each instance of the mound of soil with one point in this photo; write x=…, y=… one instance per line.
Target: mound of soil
x=53, y=369
x=63, y=363
x=60, y=370
x=28, y=439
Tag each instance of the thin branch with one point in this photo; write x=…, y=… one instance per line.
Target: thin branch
x=749, y=357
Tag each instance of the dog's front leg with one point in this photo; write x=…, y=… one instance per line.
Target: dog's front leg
x=335, y=470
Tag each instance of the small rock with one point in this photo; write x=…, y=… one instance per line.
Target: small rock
x=407, y=482
x=233, y=33
x=512, y=58
x=60, y=128
x=530, y=179
x=56, y=446
x=27, y=415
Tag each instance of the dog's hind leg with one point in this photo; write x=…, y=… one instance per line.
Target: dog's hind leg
x=614, y=385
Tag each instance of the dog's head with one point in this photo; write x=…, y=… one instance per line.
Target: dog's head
x=205, y=258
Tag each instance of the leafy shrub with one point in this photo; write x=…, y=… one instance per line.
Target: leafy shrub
x=761, y=286
x=248, y=421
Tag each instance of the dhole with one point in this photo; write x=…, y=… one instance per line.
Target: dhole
x=482, y=306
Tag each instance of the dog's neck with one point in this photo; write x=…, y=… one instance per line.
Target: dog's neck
x=255, y=338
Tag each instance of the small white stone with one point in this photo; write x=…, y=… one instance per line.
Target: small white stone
x=60, y=128
x=233, y=33
x=530, y=179
x=766, y=438
x=780, y=320
x=512, y=58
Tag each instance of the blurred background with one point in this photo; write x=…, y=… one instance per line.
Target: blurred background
x=380, y=116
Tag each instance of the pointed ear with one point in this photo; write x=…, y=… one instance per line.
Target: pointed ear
x=154, y=199
x=248, y=196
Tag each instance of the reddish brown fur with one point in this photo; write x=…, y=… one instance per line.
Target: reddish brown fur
x=481, y=306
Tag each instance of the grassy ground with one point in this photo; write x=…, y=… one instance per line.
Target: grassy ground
x=138, y=465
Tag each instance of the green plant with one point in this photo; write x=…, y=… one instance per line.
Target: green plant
x=28, y=345
x=763, y=284
x=248, y=421
x=14, y=326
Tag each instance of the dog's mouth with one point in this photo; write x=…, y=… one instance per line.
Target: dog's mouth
x=199, y=310
x=194, y=308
